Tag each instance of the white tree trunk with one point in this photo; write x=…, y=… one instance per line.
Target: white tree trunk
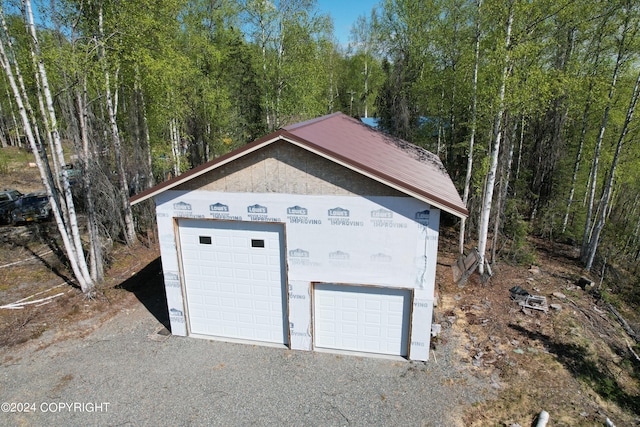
x=606, y=196
x=491, y=175
x=635, y=236
x=14, y=137
x=502, y=196
x=574, y=176
x=587, y=235
x=175, y=145
x=3, y=138
x=263, y=44
x=95, y=244
x=583, y=132
x=56, y=173
x=76, y=260
x=145, y=129
x=57, y=146
x=129, y=232
x=474, y=115
x=520, y=144
x=366, y=84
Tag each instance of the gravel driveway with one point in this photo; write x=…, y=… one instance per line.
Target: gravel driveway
x=120, y=375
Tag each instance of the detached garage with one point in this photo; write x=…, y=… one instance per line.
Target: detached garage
x=320, y=236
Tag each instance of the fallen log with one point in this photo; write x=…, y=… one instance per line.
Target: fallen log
x=623, y=322
x=631, y=350
x=17, y=306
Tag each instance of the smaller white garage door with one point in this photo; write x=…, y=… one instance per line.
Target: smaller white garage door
x=234, y=279
x=364, y=319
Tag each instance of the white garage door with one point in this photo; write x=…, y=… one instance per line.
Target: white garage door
x=234, y=279
x=358, y=318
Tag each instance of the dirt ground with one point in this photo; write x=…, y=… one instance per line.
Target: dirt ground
x=574, y=361
x=32, y=271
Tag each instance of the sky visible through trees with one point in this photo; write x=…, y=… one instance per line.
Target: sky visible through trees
x=530, y=104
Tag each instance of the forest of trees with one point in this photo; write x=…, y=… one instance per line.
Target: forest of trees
x=529, y=104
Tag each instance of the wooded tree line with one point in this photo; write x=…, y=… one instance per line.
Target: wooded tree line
x=530, y=104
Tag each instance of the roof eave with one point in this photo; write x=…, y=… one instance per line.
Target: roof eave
x=204, y=168
x=282, y=134
x=409, y=190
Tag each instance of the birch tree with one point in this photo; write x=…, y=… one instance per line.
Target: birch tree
x=505, y=178
x=95, y=244
x=129, y=232
x=627, y=28
x=261, y=14
x=474, y=116
x=495, y=151
x=595, y=54
x=68, y=230
x=364, y=38
x=290, y=35
x=592, y=247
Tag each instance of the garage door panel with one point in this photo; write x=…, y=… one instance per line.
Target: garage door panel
x=373, y=331
x=350, y=329
x=199, y=312
x=360, y=318
x=244, y=318
x=207, y=300
x=262, y=305
x=191, y=254
x=228, y=302
x=260, y=260
x=215, y=316
x=223, y=257
x=349, y=316
x=206, y=256
x=260, y=275
x=244, y=290
x=241, y=258
x=230, y=320
x=351, y=303
x=273, y=261
x=222, y=240
x=241, y=283
x=224, y=272
x=372, y=318
x=372, y=305
x=242, y=274
x=207, y=270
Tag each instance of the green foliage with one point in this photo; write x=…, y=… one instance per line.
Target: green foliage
x=228, y=72
x=4, y=164
x=516, y=229
x=12, y=158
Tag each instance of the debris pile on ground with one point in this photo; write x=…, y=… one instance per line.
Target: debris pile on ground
x=526, y=300
x=541, y=338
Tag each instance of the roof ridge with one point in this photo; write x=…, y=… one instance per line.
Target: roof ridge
x=312, y=121
x=390, y=160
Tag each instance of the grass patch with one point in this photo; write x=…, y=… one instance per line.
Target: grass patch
x=4, y=166
x=12, y=158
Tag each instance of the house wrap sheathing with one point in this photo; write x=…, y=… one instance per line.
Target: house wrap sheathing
x=320, y=236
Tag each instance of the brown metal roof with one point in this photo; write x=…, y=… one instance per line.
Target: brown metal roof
x=380, y=155
x=344, y=140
